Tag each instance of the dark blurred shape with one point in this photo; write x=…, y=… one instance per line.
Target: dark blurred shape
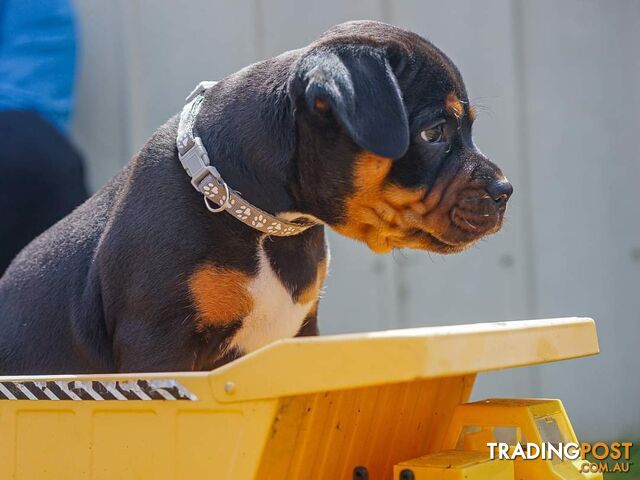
x=41, y=180
x=41, y=174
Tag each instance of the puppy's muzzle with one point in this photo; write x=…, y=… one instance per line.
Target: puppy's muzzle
x=479, y=211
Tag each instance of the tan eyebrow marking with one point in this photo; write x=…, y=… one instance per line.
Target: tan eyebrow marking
x=453, y=105
x=472, y=113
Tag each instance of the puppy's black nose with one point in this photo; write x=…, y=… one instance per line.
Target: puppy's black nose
x=500, y=190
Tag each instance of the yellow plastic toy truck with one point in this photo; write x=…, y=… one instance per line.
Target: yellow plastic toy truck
x=331, y=408
x=475, y=426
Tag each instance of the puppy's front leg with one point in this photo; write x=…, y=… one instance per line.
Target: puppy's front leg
x=140, y=346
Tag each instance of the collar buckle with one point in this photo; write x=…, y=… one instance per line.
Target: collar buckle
x=204, y=176
x=196, y=163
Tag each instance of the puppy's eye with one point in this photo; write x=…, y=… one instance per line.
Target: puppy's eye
x=435, y=134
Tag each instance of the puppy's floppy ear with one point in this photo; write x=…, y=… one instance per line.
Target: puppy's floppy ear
x=359, y=87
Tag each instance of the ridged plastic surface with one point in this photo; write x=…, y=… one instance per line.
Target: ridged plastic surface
x=325, y=435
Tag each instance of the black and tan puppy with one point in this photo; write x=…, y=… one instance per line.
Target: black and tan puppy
x=367, y=130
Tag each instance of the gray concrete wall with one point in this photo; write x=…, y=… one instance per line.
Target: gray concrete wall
x=557, y=86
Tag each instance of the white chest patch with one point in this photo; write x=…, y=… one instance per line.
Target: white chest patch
x=274, y=314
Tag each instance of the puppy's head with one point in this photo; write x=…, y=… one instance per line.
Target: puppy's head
x=384, y=147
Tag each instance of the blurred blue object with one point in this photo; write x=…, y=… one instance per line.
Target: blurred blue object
x=38, y=58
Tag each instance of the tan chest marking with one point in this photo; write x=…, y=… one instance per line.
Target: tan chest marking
x=264, y=305
x=275, y=314
x=220, y=295
x=312, y=292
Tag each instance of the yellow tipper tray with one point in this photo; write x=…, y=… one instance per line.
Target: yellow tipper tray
x=307, y=408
